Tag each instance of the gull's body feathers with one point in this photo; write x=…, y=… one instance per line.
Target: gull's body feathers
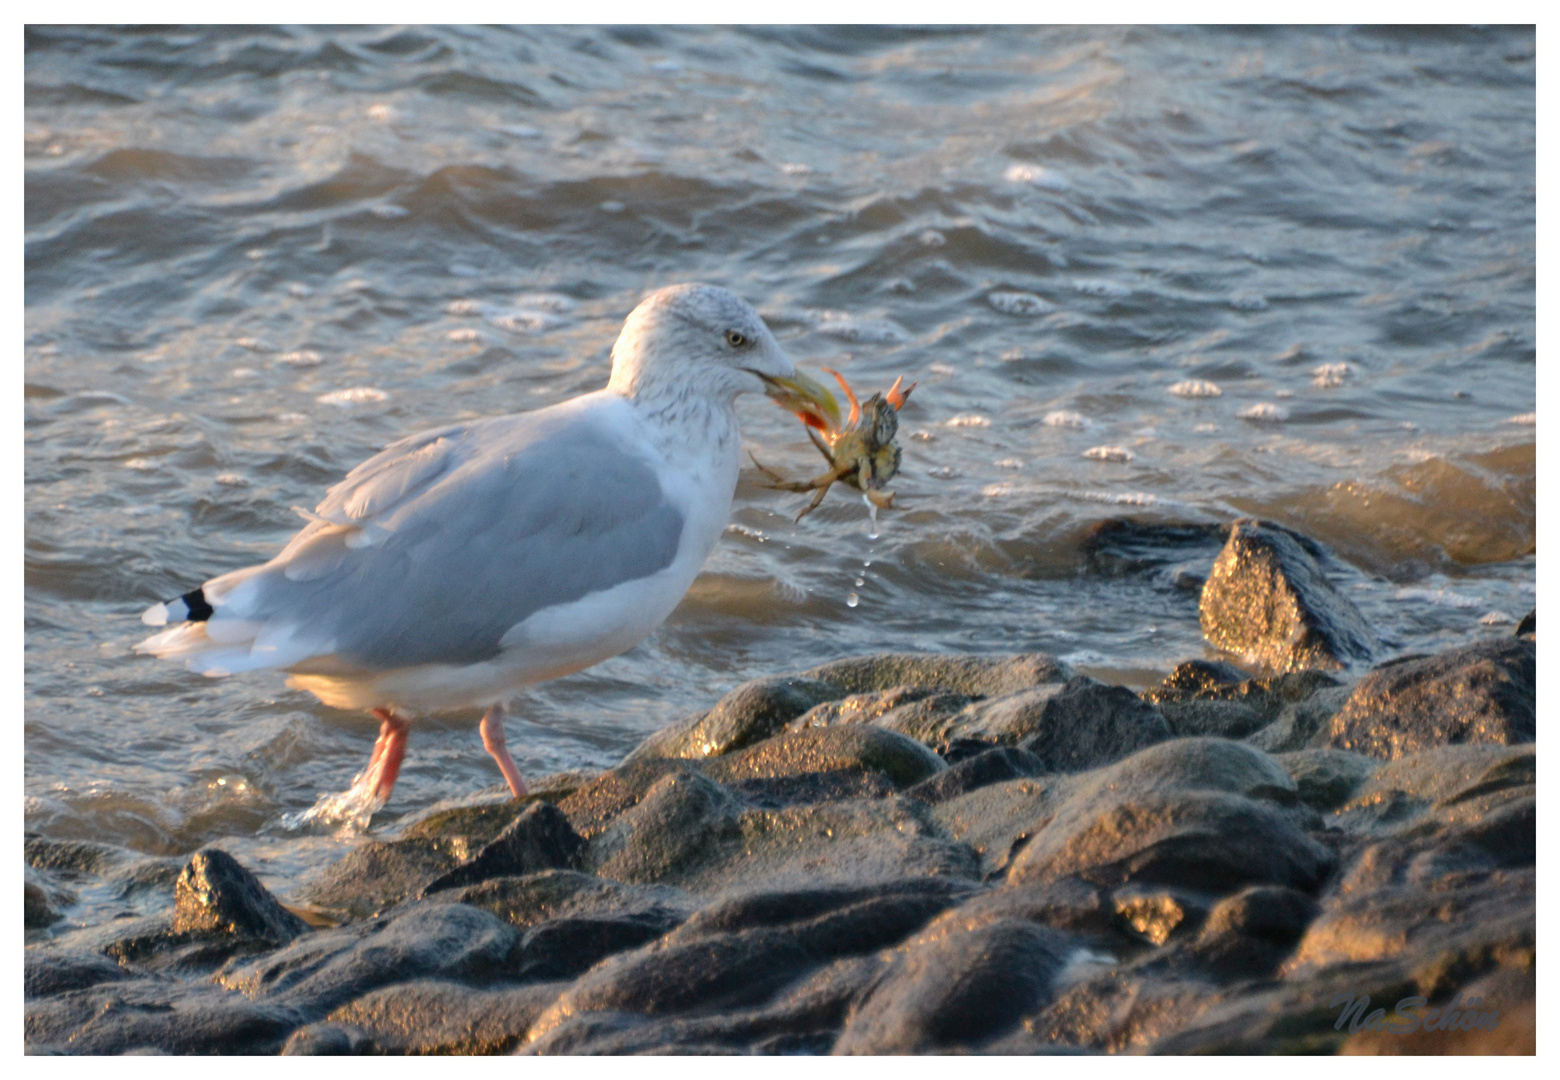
x=462, y=563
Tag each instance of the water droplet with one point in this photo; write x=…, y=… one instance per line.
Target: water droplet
x=860, y=582
x=852, y=600
x=872, y=532
x=866, y=562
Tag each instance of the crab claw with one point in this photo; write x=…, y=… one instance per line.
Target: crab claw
x=897, y=397
x=850, y=395
x=809, y=399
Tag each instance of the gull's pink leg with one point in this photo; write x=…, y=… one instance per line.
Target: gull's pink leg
x=389, y=751
x=493, y=740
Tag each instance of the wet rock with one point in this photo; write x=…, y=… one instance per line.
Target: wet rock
x=1226, y=719
x=1154, y=913
x=474, y=826
x=145, y=878
x=705, y=973
x=541, y=838
x=1195, y=840
x=692, y=833
x=836, y=785
x=326, y=1040
x=848, y=748
x=141, y=1014
x=1071, y=725
x=1301, y=723
x=70, y=856
x=804, y=1018
x=833, y=921
x=1326, y=779
x=533, y=899
x=220, y=910
x=1292, y=1016
x=601, y=1032
x=1114, y=1009
x=43, y=902
x=426, y=1016
x=1249, y=934
x=376, y=875
x=1182, y=813
x=327, y=969
x=1069, y=904
x=215, y=895
x=1442, y=846
x=996, y=818
x=860, y=842
x=927, y=720
x=957, y=750
x=566, y=947
x=1268, y=600
x=602, y=799
x=1503, y=1021
x=988, y=767
x=1197, y=684
x=957, y=989
x=47, y=970
x=971, y=675
x=1448, y=775
x=854, y=842
x=1194, y=679
x=1456, y=930
x=1193, y=764
x=1484, y=693
x=751, y=713
x=1529, y=625
x=865, y=708
x=1080, y=724
x=675, y=830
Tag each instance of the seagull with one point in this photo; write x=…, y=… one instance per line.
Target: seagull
x=459, y=565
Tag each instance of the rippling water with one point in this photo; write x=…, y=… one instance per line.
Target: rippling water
x=1171, y=274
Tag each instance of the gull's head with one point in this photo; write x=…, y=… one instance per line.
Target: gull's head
x=696, y=339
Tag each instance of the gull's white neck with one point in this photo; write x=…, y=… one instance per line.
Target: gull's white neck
x=681, y=412
x=684, y=423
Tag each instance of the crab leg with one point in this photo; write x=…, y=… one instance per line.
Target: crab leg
x=850, y=396
x=780, y=483
x=817, y=500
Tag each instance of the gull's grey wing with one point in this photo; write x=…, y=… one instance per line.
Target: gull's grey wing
x=399, y=470
x=468, y=531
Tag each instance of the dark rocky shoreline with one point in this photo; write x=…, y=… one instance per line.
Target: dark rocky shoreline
x=913, y=854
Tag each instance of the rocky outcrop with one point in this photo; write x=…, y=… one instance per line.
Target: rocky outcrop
x=1485, y=693
x=1269, y=601
x=1032, y=862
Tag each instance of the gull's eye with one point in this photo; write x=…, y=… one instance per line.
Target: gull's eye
x=735, y=340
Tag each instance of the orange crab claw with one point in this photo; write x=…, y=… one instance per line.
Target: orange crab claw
x=895, y=396
x=850, y=396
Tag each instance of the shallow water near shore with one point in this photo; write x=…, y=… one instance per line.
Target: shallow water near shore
x=1175, y=275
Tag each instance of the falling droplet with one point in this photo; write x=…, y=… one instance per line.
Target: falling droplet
x=860, y=582
x=852, y=600
x=866, y=562
x=872, y=533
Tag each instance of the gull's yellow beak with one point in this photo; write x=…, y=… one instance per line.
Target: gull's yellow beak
x=807, y=398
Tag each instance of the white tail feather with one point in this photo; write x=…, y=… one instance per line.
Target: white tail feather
x=225, y=646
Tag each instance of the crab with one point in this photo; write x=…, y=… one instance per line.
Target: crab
x=860, y=450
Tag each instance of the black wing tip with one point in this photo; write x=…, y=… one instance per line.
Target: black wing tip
x=200, y=610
